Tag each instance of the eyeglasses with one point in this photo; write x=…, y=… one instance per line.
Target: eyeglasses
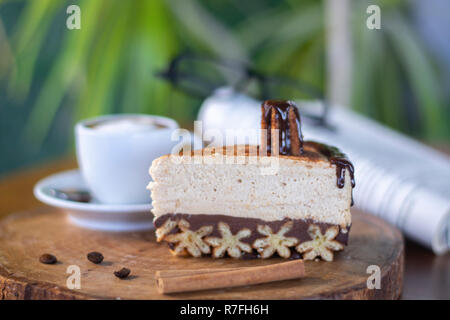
x=199, y=76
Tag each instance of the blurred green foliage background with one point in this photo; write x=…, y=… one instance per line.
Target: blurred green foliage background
x=50, y=76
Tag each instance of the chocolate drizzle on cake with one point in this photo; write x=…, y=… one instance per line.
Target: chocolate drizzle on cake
x=283, y=116
x=336, y=157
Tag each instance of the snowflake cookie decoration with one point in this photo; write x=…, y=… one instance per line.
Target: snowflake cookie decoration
x=165, y=229
x=321, y=245
x=278, y=242
x=188, y=240
x=229, y=243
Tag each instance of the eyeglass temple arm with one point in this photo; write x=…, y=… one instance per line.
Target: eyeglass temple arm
x=172, y=75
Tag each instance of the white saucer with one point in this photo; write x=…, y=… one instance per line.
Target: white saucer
x=93, y=215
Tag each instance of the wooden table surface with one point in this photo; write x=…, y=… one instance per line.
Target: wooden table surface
x=427, y=276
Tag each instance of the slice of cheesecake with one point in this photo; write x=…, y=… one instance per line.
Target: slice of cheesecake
x=224, y=201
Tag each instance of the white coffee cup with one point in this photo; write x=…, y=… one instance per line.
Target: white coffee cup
x=115, y=152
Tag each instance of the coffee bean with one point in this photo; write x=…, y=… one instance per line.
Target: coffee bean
x=122, y=273
x=48, y=258
x=95, y=257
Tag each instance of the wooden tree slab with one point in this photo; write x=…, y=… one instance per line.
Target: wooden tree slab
x=24, y=237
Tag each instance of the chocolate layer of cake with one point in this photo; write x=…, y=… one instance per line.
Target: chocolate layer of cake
x=297, y=232
x=299, y=229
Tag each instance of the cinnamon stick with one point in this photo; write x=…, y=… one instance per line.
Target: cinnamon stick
x=188, y=272
x=281, y=128
x=231, y=278
x=295, y=134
